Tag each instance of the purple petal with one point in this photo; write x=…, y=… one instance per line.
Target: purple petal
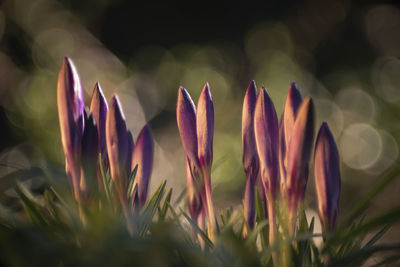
x=99, y=109
x=292, y=104
x=299, y=151
x=205, y=127
x=131, y=146
x=90, y=153
x=250, y=158
x=143, y=157
x=266, y=134
x=327, y=177
x=117, y=144
x=186, y=118
x=70, y=113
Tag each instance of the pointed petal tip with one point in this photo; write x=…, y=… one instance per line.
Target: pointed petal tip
x=294, y=91
x=206, y=90
x=252, y=88
x=324, y=126
x=69, y=64
x=293, y=85
x=116, y=104
x=325, y=132
x=97, y=89
x=66, y=60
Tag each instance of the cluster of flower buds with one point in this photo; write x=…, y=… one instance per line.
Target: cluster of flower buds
x=197, y=130
x=280, y=155
x=86, y=134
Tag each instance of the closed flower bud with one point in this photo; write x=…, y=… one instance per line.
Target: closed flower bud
x=327, y=177
x=292, y=104
x=117, y=145
x=99, y=109
x=186, y=118
x=143, y=158
x=70, y=112
x=299, y=152
x=250, y=158
x=205, y=128
x=266, y=135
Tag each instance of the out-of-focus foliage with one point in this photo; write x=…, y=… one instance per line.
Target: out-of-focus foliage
x=343, y=53
x=55, y=230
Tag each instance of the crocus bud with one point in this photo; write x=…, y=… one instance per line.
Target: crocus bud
x=327, y=177
x=186, y=118
x=205, y=128
x=143, y=158
x=292, y=104
x=90, y=152
x=70, y=113
x=298, y=154
x=250, y=158
x=117, y=146
x=266, y=135
x=99, y=109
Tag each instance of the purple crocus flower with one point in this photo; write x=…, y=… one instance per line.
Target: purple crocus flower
x=70, y=112
x=266, y=135
x=197, y=131
x=298, y=155
x=327, y=177
x=118, y=148
x=99, y=109
x=205, y=134
x=143, y=158
x=292, y=104
x=186, y=118
x=250, y=158
x=205, y=128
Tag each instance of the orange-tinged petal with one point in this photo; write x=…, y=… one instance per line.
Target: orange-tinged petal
x=117, y=144
x=143, y=158
x=299, y=152
x=266, y=135
x=205, y=127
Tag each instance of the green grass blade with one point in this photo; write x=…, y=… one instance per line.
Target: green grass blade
x=31, y=206
x=198, y=230
x=163, y=211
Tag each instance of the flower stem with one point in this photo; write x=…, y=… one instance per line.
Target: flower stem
x=209, y=207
